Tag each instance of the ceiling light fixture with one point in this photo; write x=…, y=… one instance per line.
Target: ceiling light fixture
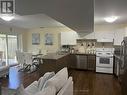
x=7, y=17
x=111, y=19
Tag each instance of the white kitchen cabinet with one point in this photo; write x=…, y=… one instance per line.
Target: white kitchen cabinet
x=105, y=36
x=68, y=38
x=118, y=36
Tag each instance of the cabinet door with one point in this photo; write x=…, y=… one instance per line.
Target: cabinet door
x=118, y=36
x=105, y=35
x=68, y=38
x=72, y=61
x=91, y=62
x=81, y=61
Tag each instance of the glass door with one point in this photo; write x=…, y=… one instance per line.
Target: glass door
x=3, y=50
x=12, y=47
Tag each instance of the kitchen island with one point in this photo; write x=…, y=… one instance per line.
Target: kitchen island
x=54, y=62
x=54, y=56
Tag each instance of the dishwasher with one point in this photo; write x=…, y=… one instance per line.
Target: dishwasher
x=81, y=62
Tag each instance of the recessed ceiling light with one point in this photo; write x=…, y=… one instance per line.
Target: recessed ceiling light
x=111, y=19
x=7, y=17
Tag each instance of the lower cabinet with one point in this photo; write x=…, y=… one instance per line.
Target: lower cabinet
x=91, y=62
x=72, y=61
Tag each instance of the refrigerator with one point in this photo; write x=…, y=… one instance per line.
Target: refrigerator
x=123, y=66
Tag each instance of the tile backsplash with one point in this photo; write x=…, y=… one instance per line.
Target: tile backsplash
x=104, y=45
x=89, y=46
x=85, y=46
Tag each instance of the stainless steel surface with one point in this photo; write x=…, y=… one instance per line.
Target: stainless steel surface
x=116, y=65
x=81, y=61
x=123, y=67
x=122, y=54
x=123, y=57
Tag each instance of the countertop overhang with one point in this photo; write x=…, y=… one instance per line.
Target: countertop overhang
x=54, y=56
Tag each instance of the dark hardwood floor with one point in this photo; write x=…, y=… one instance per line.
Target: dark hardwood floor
x=85, y=82
x=91, y=83
x=16, y=78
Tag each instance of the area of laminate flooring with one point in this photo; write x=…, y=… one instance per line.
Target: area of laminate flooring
x=85, y=82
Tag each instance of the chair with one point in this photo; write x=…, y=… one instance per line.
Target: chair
x=38, y=59
x=26, y=61
x=30, y=64
x=4, y=69
x=20, y=59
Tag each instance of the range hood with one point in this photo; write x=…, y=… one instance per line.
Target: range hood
x=104, y=40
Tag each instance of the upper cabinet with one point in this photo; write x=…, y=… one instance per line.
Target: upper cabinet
x=104, y=36
x=118, y=36
x=68, y=38
x=115, y=36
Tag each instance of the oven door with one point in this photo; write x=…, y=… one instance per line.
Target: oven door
x=102, y=61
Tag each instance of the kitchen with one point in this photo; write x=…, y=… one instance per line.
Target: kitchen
x=105, y=35
x=87, y=47
x=97, y=55
x=87, y=44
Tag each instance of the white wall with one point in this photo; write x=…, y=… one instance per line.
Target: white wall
x=15, y=30
x=11, y=30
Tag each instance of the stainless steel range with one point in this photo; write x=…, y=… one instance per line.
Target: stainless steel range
x=104, y=60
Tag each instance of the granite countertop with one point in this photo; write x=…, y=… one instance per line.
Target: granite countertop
x=83, y=53
x=54, y=56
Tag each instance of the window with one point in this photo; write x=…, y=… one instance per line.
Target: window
x=8, y=46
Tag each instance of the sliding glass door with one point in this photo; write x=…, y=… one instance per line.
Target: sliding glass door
x=12, y=47
x=8, y=47
x=3, y=49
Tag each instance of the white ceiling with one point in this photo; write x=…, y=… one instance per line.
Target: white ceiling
x=106, y=8
x=80, y=15
x=76, y=14
x=33, y=21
